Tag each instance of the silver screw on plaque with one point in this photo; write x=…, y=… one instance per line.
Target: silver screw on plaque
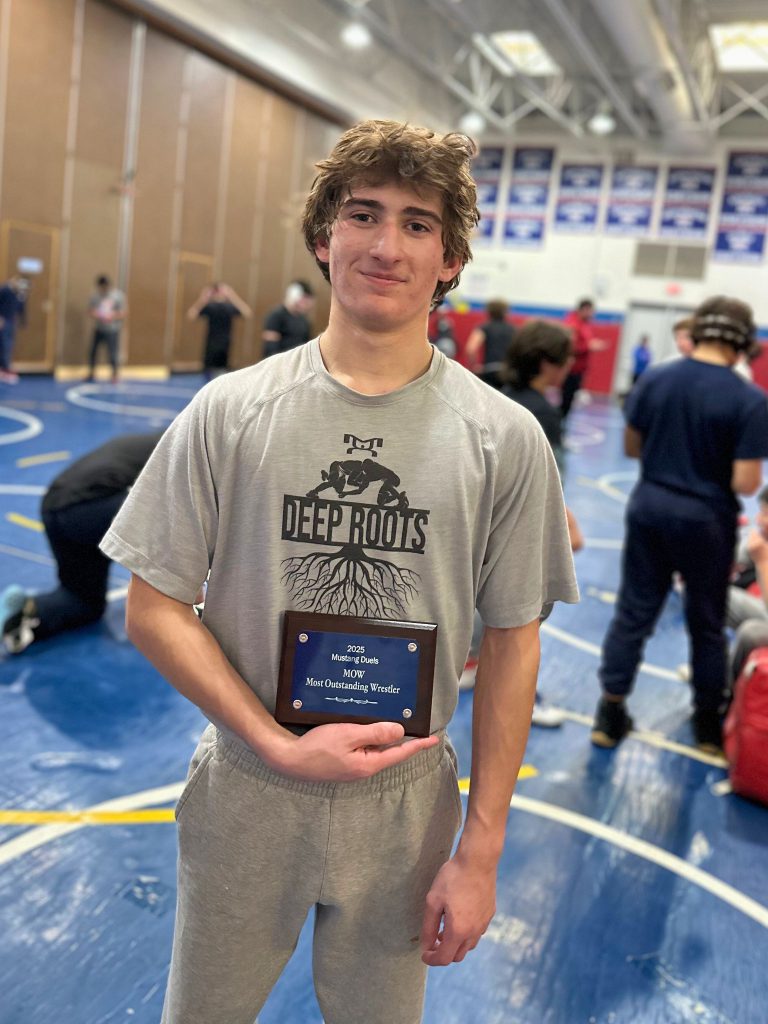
x=407, y=711
x=297, y=704
x=303, y=638
x=413, y=647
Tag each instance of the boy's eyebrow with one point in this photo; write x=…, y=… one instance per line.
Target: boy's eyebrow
x=408, y=211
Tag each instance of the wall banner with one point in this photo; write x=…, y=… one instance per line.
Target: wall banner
x=578, y=200
x=631, y=200
x=744, y=210
x=487, y=169
x=528, y=196
x=687, y=202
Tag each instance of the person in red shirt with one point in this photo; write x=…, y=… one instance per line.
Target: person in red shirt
x=578, y=321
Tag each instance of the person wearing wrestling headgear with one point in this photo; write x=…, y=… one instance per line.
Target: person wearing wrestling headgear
x=700, y=432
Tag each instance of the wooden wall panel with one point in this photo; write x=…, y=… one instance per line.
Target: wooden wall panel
x=40, y=53
x=150, y=264
x=222, y=168
x=239, y=264
x=277, y=218
x=203, y=138
x=98, y=167
x=207, y=86
x=317, y=140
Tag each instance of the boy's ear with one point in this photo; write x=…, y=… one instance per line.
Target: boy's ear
x=322, y=249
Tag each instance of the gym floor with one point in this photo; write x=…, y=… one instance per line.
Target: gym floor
x=633, y=888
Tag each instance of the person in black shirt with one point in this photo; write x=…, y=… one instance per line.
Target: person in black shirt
x=539, y=356
x=701, y=433
x=77, y=510
x=219, y=305
x=487, y=345
x=287, y=326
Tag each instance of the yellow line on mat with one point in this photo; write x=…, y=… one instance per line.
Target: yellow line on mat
x=151, y=816
x=25, y=521
x=148, y=816
x=527, y=771
x=38, y=460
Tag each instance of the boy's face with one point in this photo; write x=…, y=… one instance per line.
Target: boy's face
x=385, y=255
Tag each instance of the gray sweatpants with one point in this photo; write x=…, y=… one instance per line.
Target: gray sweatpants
x=258, y=850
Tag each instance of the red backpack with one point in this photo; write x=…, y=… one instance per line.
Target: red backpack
x=746, y=729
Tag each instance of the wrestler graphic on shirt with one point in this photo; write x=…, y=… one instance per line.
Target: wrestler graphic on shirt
x=352, y=476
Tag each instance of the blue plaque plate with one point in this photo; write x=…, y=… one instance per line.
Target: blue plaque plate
x=341, y=668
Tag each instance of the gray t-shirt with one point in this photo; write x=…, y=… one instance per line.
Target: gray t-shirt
x=105, y=306
x=299, y=493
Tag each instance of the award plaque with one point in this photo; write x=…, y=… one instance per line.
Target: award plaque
x=341, y=668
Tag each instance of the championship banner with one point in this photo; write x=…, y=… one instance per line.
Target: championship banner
x=487, y=169
x=687, y=202
x=578, y=200
x=744, y=210
x=528, y=196
x=631, y=200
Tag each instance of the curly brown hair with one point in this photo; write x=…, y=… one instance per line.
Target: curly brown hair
x=378, y=152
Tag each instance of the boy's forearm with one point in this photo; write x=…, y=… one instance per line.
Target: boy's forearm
x=171, y=636
x=504, y=692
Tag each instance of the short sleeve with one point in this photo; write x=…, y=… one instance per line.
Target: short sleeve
x=166, y=530
x=528, y=562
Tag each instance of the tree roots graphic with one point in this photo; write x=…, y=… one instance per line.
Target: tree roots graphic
x=349, y=582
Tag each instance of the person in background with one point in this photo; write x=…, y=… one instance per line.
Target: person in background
x=287, y=326
x=487, y=345
x=77, y=509
x=748, y=613
x=700, y=432
x=107, y=308
x=641, y=358
x=681, y=332
x=539, y=358
x=578, y=322
x=219, y=305
x=746, y=594
x=440, y=331
x=13, y=300
x=389, y=218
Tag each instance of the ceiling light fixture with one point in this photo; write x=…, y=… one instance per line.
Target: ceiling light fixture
x=356, y=36
x=472, y=123
x=602, y=121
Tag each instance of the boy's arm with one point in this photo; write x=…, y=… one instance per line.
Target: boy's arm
x=177, y=643
x=463, y=895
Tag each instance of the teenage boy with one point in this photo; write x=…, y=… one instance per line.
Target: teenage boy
x=579, y=322
x=701, y=433
x=321, y=480
x=107, y=308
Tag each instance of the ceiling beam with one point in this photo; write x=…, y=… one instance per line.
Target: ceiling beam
x=576, y=37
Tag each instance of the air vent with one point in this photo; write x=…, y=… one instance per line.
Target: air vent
x=656, y=259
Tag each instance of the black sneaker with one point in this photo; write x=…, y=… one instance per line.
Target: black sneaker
x=611, y=725
x=707, y=731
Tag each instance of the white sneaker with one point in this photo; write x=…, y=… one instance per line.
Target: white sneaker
x=547, y=717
